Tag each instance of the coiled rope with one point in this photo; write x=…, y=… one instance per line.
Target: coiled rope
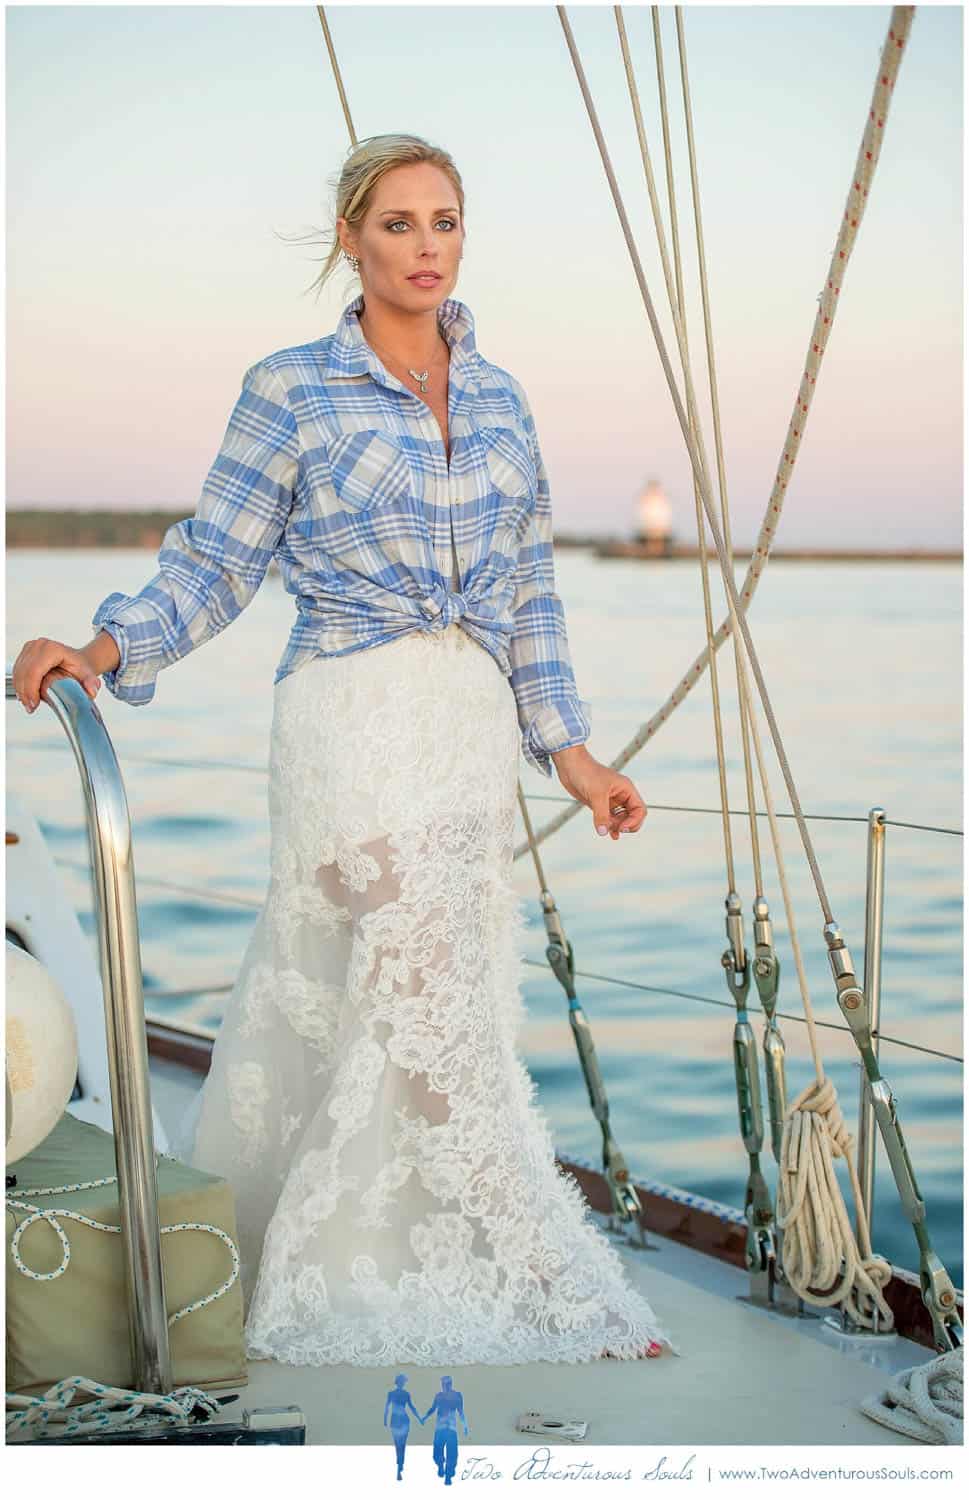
x=112, y=1408
x=819, y=1243
x=925, y=1402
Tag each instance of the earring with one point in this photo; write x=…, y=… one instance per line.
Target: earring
x=352, y=260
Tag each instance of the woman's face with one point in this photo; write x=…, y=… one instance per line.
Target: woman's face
x=412, y=229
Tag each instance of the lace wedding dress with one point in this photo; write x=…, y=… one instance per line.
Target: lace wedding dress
x=396, y=1190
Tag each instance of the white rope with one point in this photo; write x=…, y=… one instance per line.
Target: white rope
x=53, y=1216
x=112, y=1408
x=819, y=1242
x=925, y=1402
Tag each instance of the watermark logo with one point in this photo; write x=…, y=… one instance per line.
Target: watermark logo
x=447, y=1407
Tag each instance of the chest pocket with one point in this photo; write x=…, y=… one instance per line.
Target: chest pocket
x=511, y=470
x=367, y=468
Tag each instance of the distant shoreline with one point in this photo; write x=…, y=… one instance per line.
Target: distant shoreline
x=639, y=553
x=146, y=528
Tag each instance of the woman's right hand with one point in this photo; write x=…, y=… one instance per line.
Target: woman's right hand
x=42, y=661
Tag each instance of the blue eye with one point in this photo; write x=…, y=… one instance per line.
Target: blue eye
x=394, y=223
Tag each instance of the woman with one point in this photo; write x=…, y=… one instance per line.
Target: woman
x=397, y=1403
x=396, y=1190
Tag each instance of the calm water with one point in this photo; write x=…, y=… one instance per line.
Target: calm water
x=863, y=663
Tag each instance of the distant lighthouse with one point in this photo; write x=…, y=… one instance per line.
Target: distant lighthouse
x=654, y=530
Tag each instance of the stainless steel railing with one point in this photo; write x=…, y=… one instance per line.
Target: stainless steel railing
x=872, y=986
x=119, y=952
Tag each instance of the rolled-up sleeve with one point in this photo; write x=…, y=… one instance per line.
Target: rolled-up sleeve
x=551, y=714
x=210, y=566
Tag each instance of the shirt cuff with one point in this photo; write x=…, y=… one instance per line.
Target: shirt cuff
x=555, y=726
x=103, y=620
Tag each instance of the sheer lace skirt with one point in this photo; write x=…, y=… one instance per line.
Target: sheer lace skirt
x=396, y=1190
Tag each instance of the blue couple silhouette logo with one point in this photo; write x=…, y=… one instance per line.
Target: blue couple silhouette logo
x=448, y=1404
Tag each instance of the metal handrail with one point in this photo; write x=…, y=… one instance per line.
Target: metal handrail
x=872, y=987
x=119, y=953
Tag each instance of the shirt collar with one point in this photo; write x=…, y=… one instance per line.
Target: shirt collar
x=350, y=354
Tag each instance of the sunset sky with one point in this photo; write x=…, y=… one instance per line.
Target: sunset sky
x=158, y=155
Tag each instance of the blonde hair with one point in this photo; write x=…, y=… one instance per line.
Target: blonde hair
x=363, y=168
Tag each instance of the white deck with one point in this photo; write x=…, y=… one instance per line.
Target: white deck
x=745, y=1375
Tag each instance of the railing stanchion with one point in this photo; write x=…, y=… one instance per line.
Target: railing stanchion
x=872, y=984
x=119, y=950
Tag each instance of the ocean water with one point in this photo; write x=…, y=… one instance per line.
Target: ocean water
x=863, y=664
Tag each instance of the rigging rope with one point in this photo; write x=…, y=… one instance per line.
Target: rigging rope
x=810, y=1206
x=678, y=309
x=746, y=711
x=320, y=11
x=864, y=169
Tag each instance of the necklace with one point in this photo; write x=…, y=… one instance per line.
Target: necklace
x=421, y=376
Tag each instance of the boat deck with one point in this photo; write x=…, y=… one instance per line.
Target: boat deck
x=745, y=1375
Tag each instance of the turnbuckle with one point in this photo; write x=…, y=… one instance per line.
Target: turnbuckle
x=626, y=1205
x=767, y=973
x=736, y=967
x=764, y=1242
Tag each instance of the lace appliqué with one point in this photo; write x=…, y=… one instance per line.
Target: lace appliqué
x=407, y=1206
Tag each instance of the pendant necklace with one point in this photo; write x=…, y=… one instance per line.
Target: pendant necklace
x=420, y=375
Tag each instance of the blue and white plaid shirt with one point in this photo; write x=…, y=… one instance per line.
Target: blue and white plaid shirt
x=332, y=467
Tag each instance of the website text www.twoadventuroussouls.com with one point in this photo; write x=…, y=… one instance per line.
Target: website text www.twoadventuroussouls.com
x=806, y=1471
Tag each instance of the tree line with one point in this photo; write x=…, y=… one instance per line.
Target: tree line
x=89, y=528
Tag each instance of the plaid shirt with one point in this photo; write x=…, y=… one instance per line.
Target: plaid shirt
x=332, y=467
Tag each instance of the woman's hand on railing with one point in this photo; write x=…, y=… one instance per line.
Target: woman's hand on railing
x=43, y=661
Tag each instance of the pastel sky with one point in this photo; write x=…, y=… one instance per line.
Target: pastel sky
x=157, y=155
